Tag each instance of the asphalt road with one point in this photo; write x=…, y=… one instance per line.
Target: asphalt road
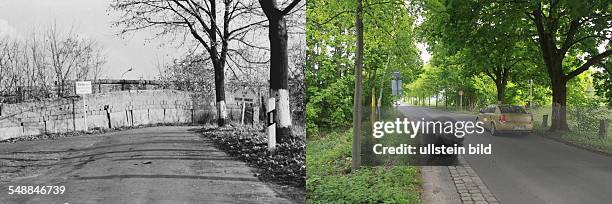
x=149, y=165
x=533, y=169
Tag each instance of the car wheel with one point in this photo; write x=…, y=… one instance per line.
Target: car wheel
x=493, y=129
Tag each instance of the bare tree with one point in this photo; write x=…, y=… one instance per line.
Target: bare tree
x=28, y=66
x=214, y=26
x=192, y=73
x=72, y=57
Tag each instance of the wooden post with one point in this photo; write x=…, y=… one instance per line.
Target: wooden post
x=544, y=120
x=603, y=129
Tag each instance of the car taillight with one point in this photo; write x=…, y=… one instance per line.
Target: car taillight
x=502, y=118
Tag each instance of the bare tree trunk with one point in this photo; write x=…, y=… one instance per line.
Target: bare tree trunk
x=279, y=64
x=279, y=78
x=220, y=93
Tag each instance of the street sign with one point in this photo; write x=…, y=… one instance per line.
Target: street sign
x=399, y=87
x=394, y=87
x=461, y=92
x=396, y=84
x=397, y=75
x=83, y=87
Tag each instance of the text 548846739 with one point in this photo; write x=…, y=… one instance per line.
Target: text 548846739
x=41, y=190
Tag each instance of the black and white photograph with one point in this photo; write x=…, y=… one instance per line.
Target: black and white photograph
x=152, y=101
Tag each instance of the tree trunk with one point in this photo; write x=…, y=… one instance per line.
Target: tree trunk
x=356, y=149
x=279, y=78
x=500, y=91
x=220, y=93
x=559, y=112
x=279, y=69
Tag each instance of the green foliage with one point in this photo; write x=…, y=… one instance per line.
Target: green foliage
x=474, y=42
x=330, y=181
x=330, y=32
x=584, y=123
x=603, y=87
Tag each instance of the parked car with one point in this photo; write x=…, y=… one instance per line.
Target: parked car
x=506, y=119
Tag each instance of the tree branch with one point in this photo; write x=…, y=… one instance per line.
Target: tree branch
x=594, y=60
x=291, y=6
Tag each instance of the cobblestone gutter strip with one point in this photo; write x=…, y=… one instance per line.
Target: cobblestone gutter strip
x=470, y=187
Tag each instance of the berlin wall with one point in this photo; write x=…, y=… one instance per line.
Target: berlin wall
x=106, y=110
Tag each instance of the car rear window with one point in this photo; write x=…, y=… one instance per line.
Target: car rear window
x=512, y=109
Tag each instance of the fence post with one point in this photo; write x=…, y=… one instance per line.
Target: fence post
x=603, y=129
x=544, y=120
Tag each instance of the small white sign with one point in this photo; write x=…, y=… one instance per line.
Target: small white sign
x=83, y=87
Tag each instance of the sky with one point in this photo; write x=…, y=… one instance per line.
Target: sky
x=90, y=19
x=425, y=55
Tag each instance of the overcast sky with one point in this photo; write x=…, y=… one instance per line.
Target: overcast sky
x=91, y=19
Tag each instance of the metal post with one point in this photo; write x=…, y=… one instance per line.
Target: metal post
x=271, y=124
x=85, y=112
x=461, y=102
x=530, y=93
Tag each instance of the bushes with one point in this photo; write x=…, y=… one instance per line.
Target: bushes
x=330, y=180
x=331, y=107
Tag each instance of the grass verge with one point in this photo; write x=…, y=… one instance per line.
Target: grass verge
x=583, y=129
x=330, y=180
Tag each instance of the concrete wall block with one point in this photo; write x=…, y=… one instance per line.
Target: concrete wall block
x=147, y=106
x=10, y=132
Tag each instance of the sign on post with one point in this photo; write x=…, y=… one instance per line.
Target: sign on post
x=271, y=124
x=83, y=88
x=396, y=84
x=393, y=87
x=399, y=87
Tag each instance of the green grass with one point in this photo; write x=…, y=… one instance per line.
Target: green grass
x=583, y=131
x=330, y=180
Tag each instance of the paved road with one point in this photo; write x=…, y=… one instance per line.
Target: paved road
x=149, y=165
x=533, y=169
